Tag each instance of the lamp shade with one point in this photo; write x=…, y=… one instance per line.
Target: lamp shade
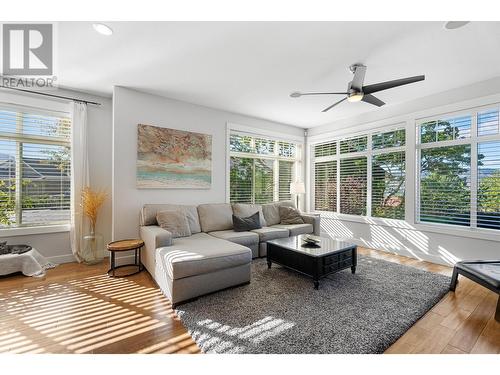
x=297, y=188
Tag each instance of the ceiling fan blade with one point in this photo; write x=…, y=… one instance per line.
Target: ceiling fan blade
x=390, y=84
x=333, y=105
x=372, y=100
x=359, y=78
x=299, y=94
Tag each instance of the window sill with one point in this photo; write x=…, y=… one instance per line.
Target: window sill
x=477, y=233
x=11, y=232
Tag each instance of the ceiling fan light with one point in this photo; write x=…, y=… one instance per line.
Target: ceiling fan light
x=357, y=97
x=102, y=29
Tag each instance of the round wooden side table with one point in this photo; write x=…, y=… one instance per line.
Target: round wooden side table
x=125, y=245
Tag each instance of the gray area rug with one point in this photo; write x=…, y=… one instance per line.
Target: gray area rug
x=280, y=312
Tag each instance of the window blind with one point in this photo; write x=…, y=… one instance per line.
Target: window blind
x=325, y=149
x=388, y=185
x=488, y=197
x=285, y=172
x=35, y=186
x=487, y=123
x=357, y=144
x=445, y=174
x=241, y=180
x=395, y=138
x=325, y=186
x=263, y=181
x=446, y=129
x=353, y=185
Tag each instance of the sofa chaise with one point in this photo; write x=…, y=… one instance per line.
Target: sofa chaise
x=215, y=256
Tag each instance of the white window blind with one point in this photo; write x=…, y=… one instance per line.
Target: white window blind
x=446, y=129
x=394, y=138
x=488, y=197
x=388, y=185
x=325, y=186
x=261, y=169
x=34, y=167
x=353, y=184
x=325, y=149
x=285, y=179
x=357, y=144
x=445, y=175
x=487, y=122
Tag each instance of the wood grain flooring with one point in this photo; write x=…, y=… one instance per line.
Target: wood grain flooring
x=78, y=309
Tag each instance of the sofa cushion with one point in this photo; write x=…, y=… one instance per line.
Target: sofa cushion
x=243, y=238
x=175, y=222
x=201, y=254
x=296, y=229
x=271, y=211
x=246, y=210
x=216, y=216
x=290, y=215
x=268, y=233
x=149, y=212
x=244, y=224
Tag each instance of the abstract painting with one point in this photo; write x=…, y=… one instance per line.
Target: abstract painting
x=173, y=159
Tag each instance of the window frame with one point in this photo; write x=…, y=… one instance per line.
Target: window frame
x=473, y=141
x=275, y=157
x=368, y=153
x=49, y=109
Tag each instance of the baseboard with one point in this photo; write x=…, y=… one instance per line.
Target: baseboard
x=59, y=259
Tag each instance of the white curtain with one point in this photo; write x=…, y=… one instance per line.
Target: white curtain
x=79, y=174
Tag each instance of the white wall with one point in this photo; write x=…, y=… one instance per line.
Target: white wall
x=440, y=244
x=131, y=108
x=56, y=246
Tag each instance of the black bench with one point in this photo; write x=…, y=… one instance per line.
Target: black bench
x=483, y=272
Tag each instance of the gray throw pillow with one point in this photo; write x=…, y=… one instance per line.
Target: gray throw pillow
x=176, y=222
x=289, y=215
x=243, y=224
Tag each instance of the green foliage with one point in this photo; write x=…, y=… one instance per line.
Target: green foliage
x=7, y=202
x=489, y=193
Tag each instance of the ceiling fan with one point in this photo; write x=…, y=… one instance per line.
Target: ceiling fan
x=357, y=92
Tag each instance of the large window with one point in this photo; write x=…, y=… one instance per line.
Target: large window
x=459, y=176
x=373, y=163
x=261, y=169
x=34, y=167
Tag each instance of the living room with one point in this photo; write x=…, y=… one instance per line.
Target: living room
x=251, y=187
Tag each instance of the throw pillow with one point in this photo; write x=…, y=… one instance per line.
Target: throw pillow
x=243, y=224
x=175, y=222
x=289, y=215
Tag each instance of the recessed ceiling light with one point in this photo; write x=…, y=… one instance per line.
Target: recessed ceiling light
x=452, y=25
x=102, y=29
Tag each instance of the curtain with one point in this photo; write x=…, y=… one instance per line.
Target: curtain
x=79, y=175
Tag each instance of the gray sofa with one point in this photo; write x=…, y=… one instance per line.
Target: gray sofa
x=214, y=257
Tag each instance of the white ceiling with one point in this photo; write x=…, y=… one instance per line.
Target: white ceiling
x=251, y=68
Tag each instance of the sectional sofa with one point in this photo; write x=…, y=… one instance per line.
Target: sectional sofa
x=214, y=257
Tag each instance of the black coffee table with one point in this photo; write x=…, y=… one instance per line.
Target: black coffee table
x=329, y=257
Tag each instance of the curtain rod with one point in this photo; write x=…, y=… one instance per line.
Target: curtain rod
x=51, y=95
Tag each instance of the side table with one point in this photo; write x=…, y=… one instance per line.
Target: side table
x=125, y=245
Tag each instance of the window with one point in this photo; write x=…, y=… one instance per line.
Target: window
x=261, y=169
x=459, y=177
x=388, y=185
x=34, y=167
x=488, y=197
x=372, y=162
x=353, y=183
x=445, y=185
x=325, y=186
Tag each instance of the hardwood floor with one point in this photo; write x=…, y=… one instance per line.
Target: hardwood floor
x=77, y=309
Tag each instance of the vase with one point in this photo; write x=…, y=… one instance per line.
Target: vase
x=93, y=248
